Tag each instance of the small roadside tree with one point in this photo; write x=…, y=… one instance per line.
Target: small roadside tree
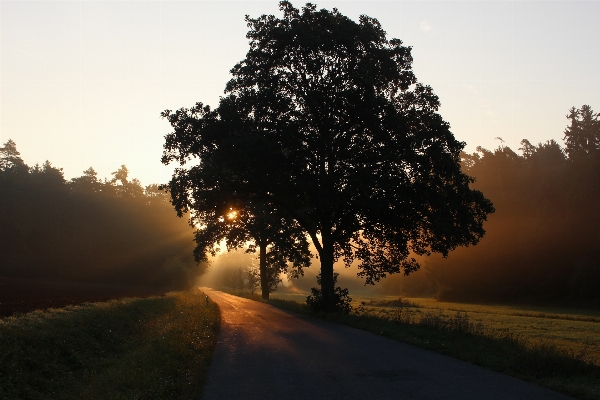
x=324, y=120
x=252, y=280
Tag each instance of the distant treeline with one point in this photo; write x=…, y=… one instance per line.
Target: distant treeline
x=88, y=230
x=543, y=243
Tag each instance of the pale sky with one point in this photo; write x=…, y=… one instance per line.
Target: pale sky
x=83, y=82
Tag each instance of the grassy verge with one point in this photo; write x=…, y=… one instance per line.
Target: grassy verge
x=151, y=348
x=461, y=337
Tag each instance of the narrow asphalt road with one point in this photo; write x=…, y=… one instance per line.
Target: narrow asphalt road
x=267, y=353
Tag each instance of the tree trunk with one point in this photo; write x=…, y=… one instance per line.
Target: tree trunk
x=264, y=279
x=327, y=285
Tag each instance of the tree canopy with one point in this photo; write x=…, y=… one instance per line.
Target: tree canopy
x=582, y=137
x=223, y=206
x=325, y=120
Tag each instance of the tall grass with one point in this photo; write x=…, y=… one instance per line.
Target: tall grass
x=457, y=335
x=151, y=348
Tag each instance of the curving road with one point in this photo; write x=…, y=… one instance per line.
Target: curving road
x=267, y=353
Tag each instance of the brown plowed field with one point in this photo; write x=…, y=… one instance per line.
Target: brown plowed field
x=23, y=295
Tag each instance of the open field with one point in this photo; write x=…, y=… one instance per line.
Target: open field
x=576, y=331
x=555, y=348
x=134, y=348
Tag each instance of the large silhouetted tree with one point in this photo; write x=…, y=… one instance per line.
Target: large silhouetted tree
x=325, y=120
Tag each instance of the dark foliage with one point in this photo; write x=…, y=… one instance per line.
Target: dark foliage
x=223, y=203
x=543, y=243
x=342, y=302
x=325, y=121
x=582, y=138
x=87, y=230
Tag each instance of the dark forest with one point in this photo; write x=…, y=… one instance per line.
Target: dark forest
x=87, y=230
x=543, y=242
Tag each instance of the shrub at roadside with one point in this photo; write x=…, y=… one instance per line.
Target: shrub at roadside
x=341, y=302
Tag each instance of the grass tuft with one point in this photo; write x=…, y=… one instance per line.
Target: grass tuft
x=151, y=348
x=398, y=302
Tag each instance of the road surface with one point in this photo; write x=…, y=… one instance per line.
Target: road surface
x=267, y=353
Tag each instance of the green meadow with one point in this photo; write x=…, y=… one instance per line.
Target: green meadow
x=552, y=347
x=576, y=331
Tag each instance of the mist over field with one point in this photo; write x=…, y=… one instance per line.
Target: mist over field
x=229, y=270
